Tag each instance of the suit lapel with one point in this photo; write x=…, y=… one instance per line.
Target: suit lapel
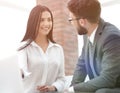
x=99, y=31
x=97, y=36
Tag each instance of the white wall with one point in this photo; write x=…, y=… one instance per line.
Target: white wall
x=13, y=21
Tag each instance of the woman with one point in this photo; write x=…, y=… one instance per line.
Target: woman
x=41, y=60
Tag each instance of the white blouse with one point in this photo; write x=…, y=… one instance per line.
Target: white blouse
x=42, y=68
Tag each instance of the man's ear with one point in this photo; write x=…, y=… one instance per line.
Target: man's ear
x=82, y=22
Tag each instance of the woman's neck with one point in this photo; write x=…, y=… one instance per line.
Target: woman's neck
x=42, y=42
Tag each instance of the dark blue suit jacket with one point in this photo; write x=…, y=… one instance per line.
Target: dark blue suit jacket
x=106, y=60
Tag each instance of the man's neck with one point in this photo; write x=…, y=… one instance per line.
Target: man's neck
x=91, y=28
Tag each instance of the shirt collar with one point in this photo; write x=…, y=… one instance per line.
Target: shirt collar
x=92, y=36
x=33, y=43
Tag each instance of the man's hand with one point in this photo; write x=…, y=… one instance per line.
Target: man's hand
x=46, y=88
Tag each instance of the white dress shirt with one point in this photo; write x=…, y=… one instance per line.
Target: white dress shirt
x=42, y=68
x=92, y=36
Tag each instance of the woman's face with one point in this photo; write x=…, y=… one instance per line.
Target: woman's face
x=45, y=24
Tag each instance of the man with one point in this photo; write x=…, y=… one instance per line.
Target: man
x=100, y=58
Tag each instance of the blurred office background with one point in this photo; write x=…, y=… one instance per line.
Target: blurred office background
x=13, y=21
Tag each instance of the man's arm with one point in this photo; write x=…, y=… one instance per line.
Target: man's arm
x=80, y=71
x=110, y=67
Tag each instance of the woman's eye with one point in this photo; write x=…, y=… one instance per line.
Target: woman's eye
x=49, y=19
x=42, y=19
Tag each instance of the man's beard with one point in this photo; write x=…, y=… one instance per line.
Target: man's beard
x=81, y=30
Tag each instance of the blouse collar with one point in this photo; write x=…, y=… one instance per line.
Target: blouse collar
x=51, y=44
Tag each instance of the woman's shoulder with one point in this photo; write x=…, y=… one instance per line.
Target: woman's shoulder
x=57, y=45
x=23, y=45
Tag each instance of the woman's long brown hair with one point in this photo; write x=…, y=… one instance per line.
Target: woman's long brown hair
x=33, y=25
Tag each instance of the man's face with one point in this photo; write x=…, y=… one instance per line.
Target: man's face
x=80, y=29
x=75, y=22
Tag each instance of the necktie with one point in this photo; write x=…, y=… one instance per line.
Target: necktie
x=91, y=60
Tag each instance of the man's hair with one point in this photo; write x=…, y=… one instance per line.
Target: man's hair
x=89, y=9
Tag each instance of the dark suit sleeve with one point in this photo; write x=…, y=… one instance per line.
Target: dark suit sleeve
x=80, y=70
x=110, y=67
